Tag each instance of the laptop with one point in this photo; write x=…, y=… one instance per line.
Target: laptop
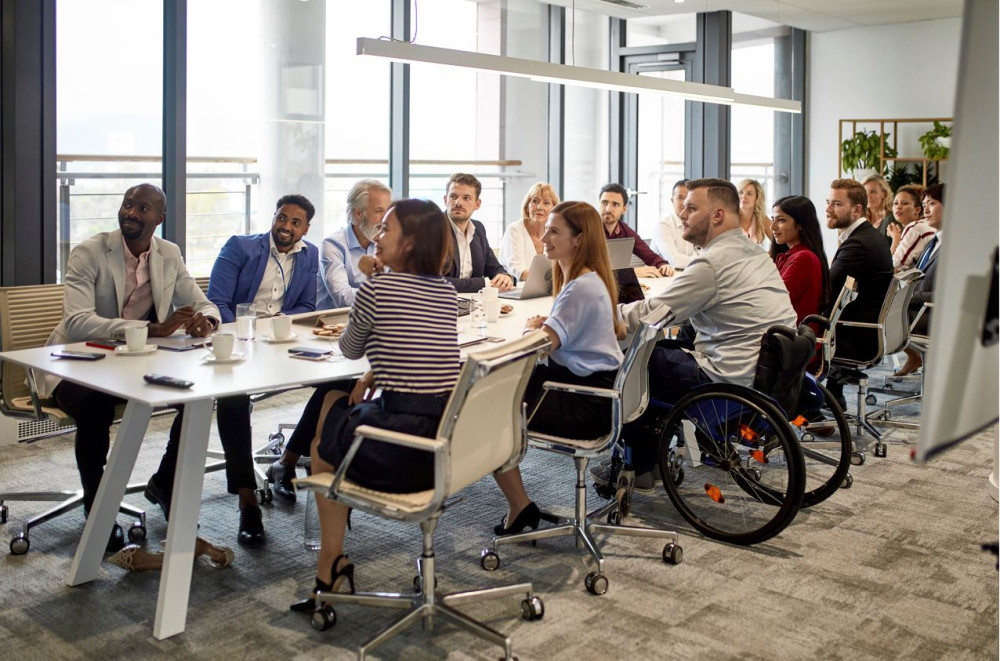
x=539, y=282
x=620, y=252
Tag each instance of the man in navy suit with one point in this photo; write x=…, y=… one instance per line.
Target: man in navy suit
x=863, y=254
x=474, y=265
x=276, y=271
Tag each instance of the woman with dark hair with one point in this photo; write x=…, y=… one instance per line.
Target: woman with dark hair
x=797, y=251
x=909, y=240
x=411, y=341
x=584, y=329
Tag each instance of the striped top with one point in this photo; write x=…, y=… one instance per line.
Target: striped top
x=406, y=325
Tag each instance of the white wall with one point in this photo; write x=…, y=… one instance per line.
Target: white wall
x=905, y=70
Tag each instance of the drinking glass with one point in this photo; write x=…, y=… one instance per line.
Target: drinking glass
x=246, y=321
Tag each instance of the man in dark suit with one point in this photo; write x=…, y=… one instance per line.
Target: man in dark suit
x=923, y=291
x=276, y=271
x=862, y=254
x=474, y=265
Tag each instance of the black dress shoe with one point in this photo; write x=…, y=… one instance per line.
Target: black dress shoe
x=281, y=477
x=117, y=540
x=251, y=526
x=529, y=517
x=157, y=495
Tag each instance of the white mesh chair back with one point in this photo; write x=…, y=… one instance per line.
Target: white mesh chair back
x=894, y=317
x=484, y=418
x=632, y=380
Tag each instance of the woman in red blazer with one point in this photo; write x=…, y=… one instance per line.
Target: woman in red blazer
x=797, y=251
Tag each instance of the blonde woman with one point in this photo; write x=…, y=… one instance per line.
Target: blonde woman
x=879, y=212
x=753, y=218
x=584, y=328
x=523, y=240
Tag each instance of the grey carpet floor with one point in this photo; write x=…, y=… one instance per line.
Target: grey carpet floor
x=891, y=568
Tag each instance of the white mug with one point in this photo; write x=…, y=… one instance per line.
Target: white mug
x=222, y=345
x=492, y=309
x=135, y=338
x=281, y=327
x=490, y=294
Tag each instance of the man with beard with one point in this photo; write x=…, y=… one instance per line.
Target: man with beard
x=862, y=254
x=117, y=280
x=348, y=254
x=729, y=295
x=613, y=205
x=474, y=264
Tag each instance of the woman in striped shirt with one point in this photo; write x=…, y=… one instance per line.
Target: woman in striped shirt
x=584, y=329
x=404, y=322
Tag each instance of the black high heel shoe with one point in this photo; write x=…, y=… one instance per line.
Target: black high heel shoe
x=529, y=517
x=345, y=572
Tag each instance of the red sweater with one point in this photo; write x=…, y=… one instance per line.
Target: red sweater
x=803, y=276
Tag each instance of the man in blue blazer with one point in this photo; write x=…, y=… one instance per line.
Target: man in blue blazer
x=275, y=271
x=474, y=265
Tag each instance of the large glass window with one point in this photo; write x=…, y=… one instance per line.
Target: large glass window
x=109, y=63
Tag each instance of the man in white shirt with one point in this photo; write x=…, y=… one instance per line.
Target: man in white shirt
x=342, y=259
x=474, y=265
x=667, y=240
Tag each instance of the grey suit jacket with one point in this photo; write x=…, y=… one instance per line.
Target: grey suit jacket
x=95, y=292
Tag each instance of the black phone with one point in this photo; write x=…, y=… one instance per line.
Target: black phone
x=309, y=354
x=168, y=381
x=77, y=355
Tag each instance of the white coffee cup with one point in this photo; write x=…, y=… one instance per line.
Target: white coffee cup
x=222, y=345
x=281, y=327
x=135, y=338
x=490, y=294
x=492, y=309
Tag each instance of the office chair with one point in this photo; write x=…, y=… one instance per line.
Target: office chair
x=481, y=432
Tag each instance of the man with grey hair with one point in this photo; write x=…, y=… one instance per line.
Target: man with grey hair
x=339, y=273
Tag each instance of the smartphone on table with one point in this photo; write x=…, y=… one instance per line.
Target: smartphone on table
x=77, y=355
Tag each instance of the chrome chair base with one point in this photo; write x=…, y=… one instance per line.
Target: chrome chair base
x=426, y=603
x=584, y=527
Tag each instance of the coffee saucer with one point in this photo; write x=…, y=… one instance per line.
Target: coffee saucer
x=145, y=351
x=273, y=340
x=236, y=357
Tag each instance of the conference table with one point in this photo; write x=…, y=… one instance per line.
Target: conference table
x=265, y=367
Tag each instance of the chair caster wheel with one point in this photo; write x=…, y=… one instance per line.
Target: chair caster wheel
x=276, y=437
x=418, y=585
x=596, y=583
x=858, y=458
x=673, y=554
x=847, y=481
x=880, y=450
x=323, y=618
x=19, y=545
x=614, y=518
x=489, y=560
x=532, y=609
x=136, y=532
x=871, y=400
x=3, y=514
x=886, y=415
x=264, y=496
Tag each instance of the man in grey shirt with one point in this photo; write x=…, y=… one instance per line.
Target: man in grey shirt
x=730, y=294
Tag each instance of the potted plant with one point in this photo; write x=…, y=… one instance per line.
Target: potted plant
x=936, y=143
x=864, y=151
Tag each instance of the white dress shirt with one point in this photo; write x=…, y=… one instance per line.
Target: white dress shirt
x=277, y=274
x=669, y=245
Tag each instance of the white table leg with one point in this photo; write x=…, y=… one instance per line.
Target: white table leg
x=175, y=582
x=109, y=495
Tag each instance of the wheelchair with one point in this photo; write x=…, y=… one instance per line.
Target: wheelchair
x=734, y=463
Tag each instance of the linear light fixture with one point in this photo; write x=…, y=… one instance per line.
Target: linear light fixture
x=564, y=74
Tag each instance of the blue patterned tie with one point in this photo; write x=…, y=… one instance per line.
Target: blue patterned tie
x=926, y=257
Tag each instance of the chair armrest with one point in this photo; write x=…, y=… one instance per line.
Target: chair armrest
x=819, y=320
x=581, y=390
x=365, y=432
x=858, y=324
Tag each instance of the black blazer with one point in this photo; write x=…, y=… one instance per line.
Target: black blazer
x=484, y=262
x=865, y=256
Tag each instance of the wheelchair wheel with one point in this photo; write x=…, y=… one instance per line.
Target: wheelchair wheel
x=826, y=448
x=731, y=465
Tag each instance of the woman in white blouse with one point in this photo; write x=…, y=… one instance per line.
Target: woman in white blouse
x=584, y=329
x=523, y=240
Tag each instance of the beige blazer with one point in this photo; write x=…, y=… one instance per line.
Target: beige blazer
x=95, y=292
